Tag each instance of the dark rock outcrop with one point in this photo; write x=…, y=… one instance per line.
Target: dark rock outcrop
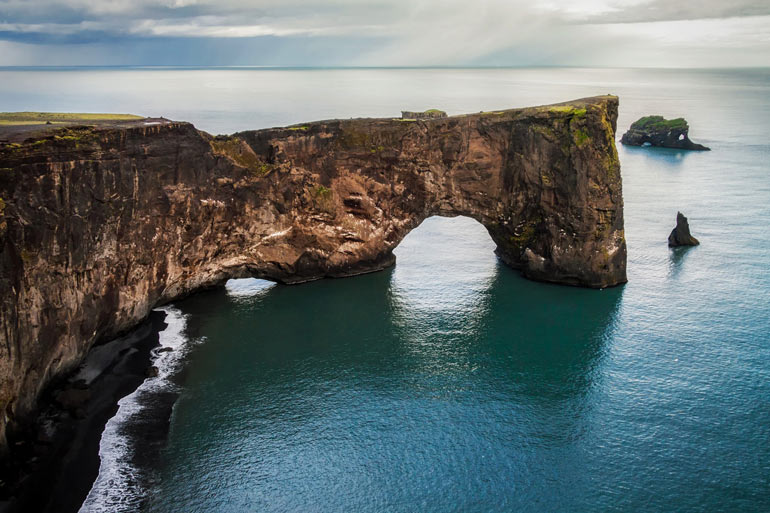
x=657, y=131
x=680, y=235
x=103, y=223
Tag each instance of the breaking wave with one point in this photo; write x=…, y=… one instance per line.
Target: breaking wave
x=120, y=485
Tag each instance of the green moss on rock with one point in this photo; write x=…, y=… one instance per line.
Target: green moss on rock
x=573, y=111
x=239, y=152
x=659, y=124
x=581, y=137
x=524, y=234
x=323, y=197
x=321, y=191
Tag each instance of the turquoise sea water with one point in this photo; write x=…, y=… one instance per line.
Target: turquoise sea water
x=449, y=383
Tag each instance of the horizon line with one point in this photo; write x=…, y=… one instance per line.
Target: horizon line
x=308, y=67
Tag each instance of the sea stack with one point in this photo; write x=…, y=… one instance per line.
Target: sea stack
x=661, y=132
x=680, y=236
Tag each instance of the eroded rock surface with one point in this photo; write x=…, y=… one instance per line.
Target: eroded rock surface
x=101, y=224
x=665, y=133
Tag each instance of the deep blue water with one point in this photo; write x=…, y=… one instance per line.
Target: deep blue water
x=449, y=383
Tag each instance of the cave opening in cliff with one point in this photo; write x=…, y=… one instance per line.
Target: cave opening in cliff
x=446, y=253
x=247, y=287
x=443, y=252
x=443, y=242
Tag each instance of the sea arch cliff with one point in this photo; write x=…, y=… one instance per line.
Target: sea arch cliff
x=102, y=223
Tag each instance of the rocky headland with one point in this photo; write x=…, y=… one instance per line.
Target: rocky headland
x=102, y=222
x=661, y=132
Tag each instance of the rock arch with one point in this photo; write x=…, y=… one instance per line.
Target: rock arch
x=101, y=224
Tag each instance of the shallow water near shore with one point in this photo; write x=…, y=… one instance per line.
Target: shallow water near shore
x=449, y=383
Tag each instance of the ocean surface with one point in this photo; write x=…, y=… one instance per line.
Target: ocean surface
x=448, y=382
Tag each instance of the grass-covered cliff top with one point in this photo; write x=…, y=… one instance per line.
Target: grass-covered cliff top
x=41, y=118
x=659, y=124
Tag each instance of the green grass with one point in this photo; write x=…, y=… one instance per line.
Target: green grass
x=36, y=118
x=323, y=199
x=659, y=124
x=7, y=122
x=578, y=112
x=240, y=153
x=322, y=192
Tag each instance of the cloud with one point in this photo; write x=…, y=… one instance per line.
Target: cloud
x=395, y=32
x=635, y=11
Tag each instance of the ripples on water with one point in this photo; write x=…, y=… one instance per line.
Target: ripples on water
x=446, y=383
x=449, y=383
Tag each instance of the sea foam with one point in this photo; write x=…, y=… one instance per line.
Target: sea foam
x=120, y=486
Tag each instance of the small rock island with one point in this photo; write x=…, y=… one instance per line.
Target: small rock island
x=680, y=235
x=661, y=132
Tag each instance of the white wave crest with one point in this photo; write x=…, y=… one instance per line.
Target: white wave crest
x=118, y=487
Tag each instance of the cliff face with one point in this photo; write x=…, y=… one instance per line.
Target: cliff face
x=101, y=224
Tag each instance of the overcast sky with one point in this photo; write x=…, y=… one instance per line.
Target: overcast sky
x=633, y=33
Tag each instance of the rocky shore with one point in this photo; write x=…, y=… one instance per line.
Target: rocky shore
x=53, y=462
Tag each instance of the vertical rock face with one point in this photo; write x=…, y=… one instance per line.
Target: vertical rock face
x=101, y=224
x=680, y=235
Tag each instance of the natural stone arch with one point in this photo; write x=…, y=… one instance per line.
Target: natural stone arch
x=544, y=181
x=101, y=224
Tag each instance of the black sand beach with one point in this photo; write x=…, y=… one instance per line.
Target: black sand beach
x=55, y=461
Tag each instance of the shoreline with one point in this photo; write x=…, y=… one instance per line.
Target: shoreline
x=54, y=462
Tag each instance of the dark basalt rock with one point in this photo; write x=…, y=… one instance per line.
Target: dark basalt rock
x=658, y=131
x=680, y=235
x=73, y=398
x=100, y=224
